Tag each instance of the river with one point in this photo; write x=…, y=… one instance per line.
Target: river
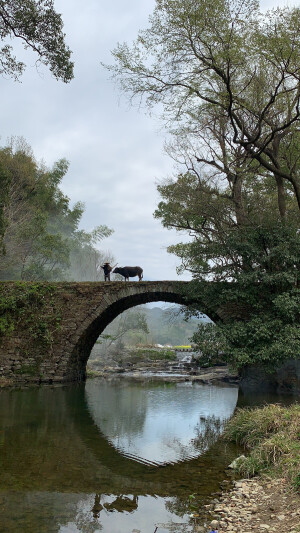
x=114, y=456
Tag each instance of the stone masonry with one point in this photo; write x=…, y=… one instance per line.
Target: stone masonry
x=52, y=331
x=47, y=330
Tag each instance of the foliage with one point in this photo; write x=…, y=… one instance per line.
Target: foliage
x=85, y=258
x=211, y=343
x=154, y=354
x=128, y=322
x=227, y=79
x=39, y=27
x=222, y=249
x=4, y=185
x=40, y=231
x=253, y=265
x=20, y=305
x=272, y=435
x=259, y=307
x=225, y=74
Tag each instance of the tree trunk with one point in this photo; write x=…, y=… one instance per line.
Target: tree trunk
x=281, y=197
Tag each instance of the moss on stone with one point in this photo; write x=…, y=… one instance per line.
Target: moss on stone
x=29, y=307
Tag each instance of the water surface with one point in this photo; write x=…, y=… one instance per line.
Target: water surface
x=160, y=425
x=111, y=456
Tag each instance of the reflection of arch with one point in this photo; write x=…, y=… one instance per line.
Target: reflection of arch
x=123, y=411
x=80, y=455
x=97, y=443
x=124, y=298
x=134, y=476
x=73, y=458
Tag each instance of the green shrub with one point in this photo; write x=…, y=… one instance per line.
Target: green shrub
x=153, y=354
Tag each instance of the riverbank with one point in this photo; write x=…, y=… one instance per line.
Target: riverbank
x=272, y=501
x=167, y=373
x=152, y=363
x=256, y=505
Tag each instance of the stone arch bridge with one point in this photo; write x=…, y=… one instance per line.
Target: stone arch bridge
x=49, y=329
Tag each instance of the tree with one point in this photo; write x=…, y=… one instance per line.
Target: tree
x=85, y=258
x=222, y=246
x=39, y=27
x=223, y=59
x=4, y=184
x=227, y=79
x=253, y=267
x=41, y=235
x=124, y=326
x=210, y=343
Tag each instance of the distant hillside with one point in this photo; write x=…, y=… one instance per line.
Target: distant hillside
x=165, y=326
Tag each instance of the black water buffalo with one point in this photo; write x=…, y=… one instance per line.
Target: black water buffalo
x=129, y=272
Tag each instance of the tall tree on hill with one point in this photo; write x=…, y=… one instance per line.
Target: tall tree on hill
x=129, y=324
x=36, y=24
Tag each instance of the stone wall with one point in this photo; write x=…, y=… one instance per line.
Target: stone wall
x=285, y=380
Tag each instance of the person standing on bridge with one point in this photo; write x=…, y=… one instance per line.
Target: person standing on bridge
x=107, y=270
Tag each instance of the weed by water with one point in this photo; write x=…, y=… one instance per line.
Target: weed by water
x=272, y=436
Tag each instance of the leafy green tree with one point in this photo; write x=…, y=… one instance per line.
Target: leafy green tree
x=40, y=28
x=227, y=79
x=253, y=267
x=41, y=235
x=259, y=305
x=210, y=343
x=223, y=246
x=4, y=184
x=85, y=258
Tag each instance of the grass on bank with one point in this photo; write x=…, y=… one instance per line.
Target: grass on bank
x=272, y=436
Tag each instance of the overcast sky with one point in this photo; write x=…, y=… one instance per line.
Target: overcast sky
x=116, y=152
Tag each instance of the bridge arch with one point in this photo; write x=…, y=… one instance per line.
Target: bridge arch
x=55, y=325
x=130, y=295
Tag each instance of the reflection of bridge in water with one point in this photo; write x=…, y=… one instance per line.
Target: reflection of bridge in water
x=60, y=456
x=79, y=452
x=159, y=426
